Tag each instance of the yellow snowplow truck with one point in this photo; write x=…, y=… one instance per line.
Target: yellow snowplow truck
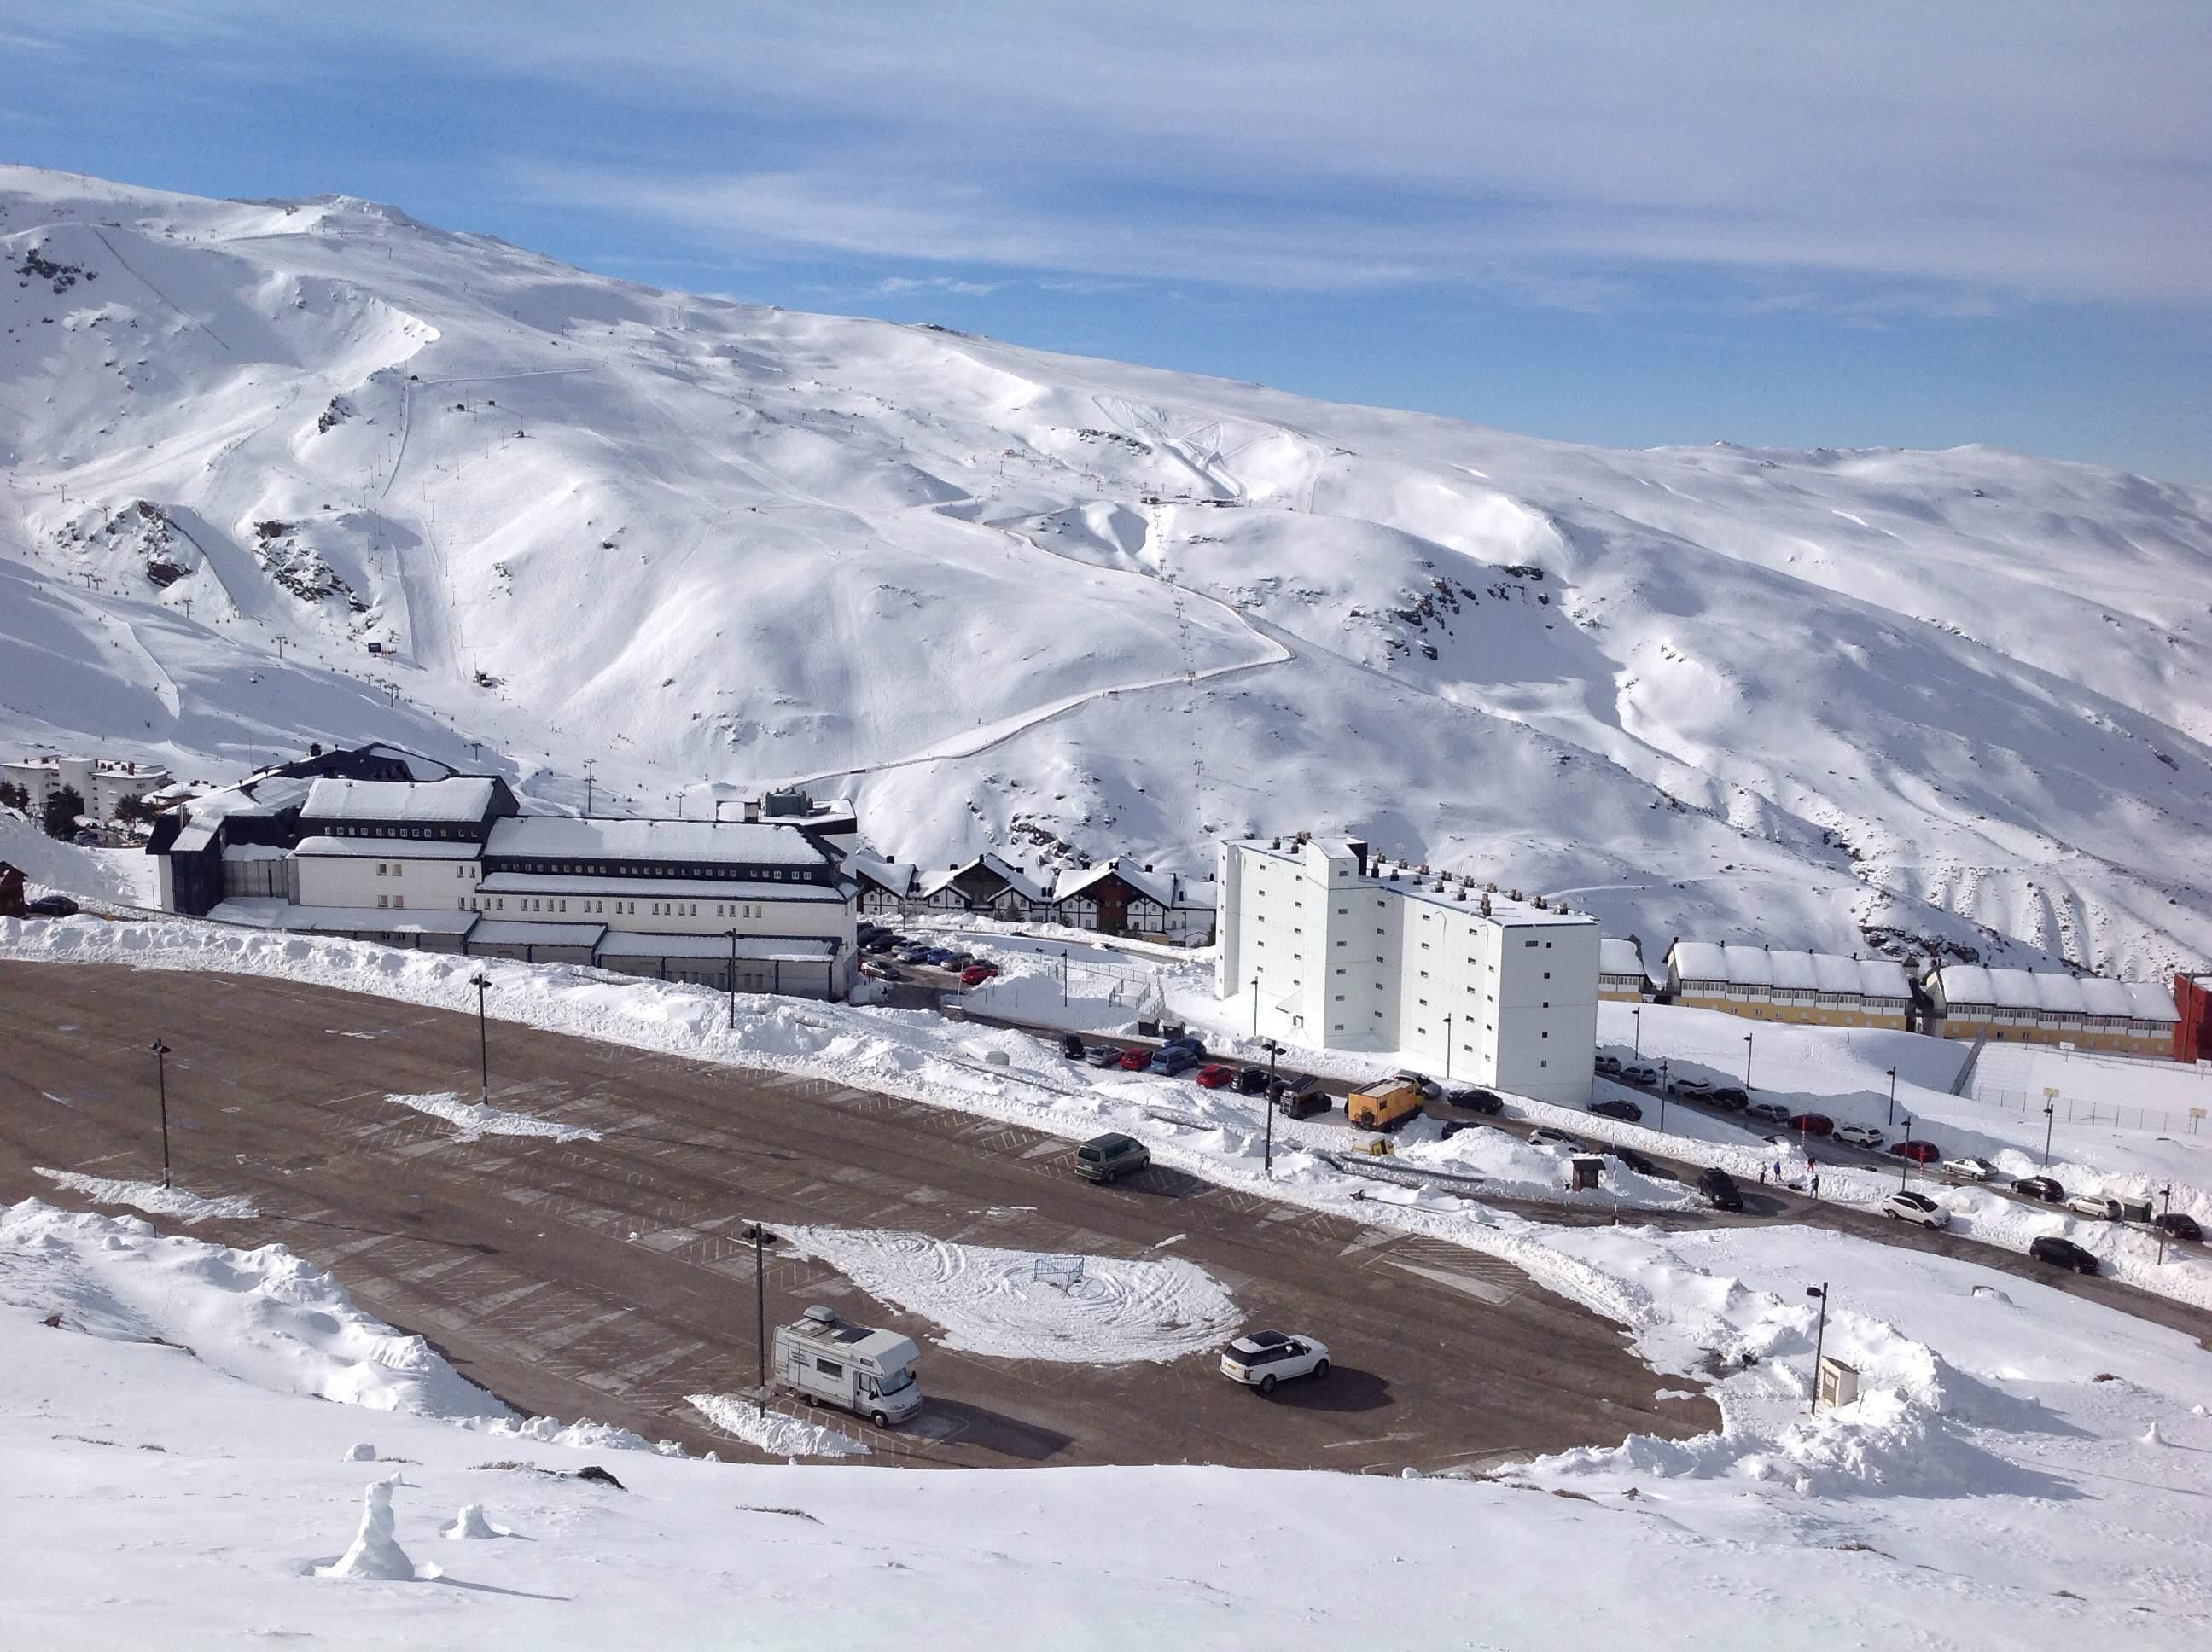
x=1383, y=1106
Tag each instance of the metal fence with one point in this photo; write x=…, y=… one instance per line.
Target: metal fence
x=2070, y=1110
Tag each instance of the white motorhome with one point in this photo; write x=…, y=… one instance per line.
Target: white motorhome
x=824, y=1356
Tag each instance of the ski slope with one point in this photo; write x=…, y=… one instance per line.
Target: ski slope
x=1059, y=606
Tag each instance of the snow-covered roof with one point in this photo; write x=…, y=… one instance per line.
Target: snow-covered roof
x=653, y=889
x=2061, y=994
x=1022, y=884
x=502, y=931
x=386, y=849
x=342, y=920
x=632, y=943
x=1618, y=957
x=568, y=837
x=894, y=875
x=1791, y=972
x=464, y=798
x=1164, y=888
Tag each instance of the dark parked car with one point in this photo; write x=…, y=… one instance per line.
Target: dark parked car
x=1173, y=1061
x=2042, y=1187
x=1635, y=1161
x=1430, y=1089
x=940, y=956
x=1729, y=1096
x=2062, y=1253
x=1627, y=1112
x=1071, y=1046
x=2178, y=1224
x=1111, y=1156
x=1920, y=1152
x=1813, y=1124
x=1250, y=1081
x=1186, y=1042
x=1720, y=1190
x=51, y=905
x=1298, y=1099
x=1453, y=1126
x=1475, y=1099
x=1102, y=1055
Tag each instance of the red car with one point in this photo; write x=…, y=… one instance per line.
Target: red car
x=1813, y=1124
x=1137, y=1060
x=1213, y=1075
x=977, y=974
x=1920, y=1152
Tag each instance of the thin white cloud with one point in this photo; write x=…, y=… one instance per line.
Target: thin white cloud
x=2013, y=147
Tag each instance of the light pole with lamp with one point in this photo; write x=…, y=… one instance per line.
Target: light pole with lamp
x=1746, y=1062
x=1448, y=1026
x=161, y=1088
x=482, y=982
x=1255, y=1004
x=1662, y=1095
x=1268, y=1107
x=1819, y=1339
x=1636, y=1014
x=732, y=934
x=2166, y=1194
x=762, y=1239
x=1063, y=977
x=1904, y=1168
x=2049, y=1122
x=1892, y=1119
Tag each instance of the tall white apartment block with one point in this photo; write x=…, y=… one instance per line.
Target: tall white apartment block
x=1328, y=950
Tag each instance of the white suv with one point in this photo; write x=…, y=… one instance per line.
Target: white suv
x=2094, y=1205
x=1916, y=1207
x=1858, y=1135
x=1266, y=1358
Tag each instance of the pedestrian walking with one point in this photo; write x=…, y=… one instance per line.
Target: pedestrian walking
x=1762, y=1176
x=1816, y=1184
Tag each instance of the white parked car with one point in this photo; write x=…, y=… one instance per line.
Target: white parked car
x=1858, y=1135
x=2094, y=1205
x=1969, y=1169
x=1266, y=1358
x=1916, y=1207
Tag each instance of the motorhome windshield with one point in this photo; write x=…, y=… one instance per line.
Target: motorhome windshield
x=893, y=1381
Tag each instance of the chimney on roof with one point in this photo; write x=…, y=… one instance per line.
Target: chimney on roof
x=1148, y=865
x=1485, y=906
x=1461, y=895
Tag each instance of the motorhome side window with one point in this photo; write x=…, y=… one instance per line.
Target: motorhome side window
x=827, y=1367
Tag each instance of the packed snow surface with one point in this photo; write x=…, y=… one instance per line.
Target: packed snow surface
x=1062, y=607
x=772, y=1430
x=186, y=1207
x=999, y=1303
x=474, y=1120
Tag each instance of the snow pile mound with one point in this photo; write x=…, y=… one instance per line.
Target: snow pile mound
x=473, y=1119
x=374, y=1553
x=471, y=1523
x=993, y=1302
x=187, y=1207
x=772, y=1431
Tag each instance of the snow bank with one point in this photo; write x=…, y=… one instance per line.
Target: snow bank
x=187, y=1207
x=993, y=1302
x=474, y=1120
x=777, y=1435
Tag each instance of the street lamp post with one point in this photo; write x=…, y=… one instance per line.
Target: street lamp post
x=161, y=1089
x=1448, y=1026
x=1746, y=1062
x=732, y=934
x=1063, y=977
x=1892, y=1119
x=482, y=982
x=1904, y=1168
x=2049, y=1123
x=1819, y=1339
x=2166, y=1194
x=762, y=1239
x=1662, y=1095
x=1268, y=1107
x=1255, y=1004
x=1636, y=1015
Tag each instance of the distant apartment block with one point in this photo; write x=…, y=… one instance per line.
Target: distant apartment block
x=1331, y=948
x=102, y=783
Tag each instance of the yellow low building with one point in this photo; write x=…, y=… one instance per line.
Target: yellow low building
x=2038, y=1006
x=1763, y=983
x=1621, y=976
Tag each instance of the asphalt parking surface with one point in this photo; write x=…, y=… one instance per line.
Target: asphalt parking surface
x=609, y=1279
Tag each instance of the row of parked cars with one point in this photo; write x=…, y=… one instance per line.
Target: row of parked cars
x=1295, y=1094
x=882, y=949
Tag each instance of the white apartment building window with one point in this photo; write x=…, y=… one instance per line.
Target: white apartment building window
x=397, y=868
x=383, y=900
x=399, y=900
x=380, y=872
x=1340, y=998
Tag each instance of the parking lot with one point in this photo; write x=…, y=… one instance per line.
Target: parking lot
x=609, y=1279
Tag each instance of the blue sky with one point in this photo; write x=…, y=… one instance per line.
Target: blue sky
x=1628, y=223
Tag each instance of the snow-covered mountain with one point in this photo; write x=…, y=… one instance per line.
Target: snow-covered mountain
x=1062, y=606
